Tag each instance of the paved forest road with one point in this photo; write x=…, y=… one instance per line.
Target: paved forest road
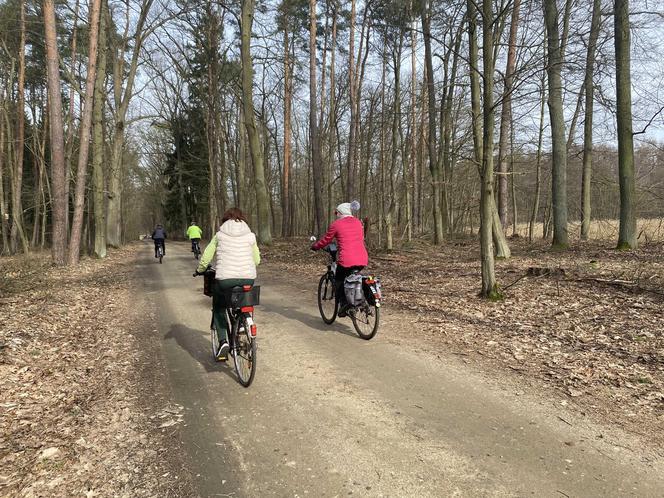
x=332, y=415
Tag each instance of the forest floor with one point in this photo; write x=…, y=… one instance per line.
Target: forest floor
x=80, y=413
x=586, y=325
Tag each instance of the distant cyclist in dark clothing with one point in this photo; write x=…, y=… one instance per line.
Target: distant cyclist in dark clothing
x=159, y=237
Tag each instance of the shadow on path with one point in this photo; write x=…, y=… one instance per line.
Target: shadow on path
x=314, y=322
x=197, y=344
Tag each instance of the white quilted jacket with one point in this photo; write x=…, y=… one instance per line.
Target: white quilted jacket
x=235, y=246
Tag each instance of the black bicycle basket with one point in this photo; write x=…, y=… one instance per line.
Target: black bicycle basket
x=208, y=282
x=237, y=297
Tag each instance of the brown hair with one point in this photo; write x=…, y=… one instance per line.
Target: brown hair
x=234, y=214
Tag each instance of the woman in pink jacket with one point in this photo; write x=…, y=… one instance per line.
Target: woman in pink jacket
x=352, y=253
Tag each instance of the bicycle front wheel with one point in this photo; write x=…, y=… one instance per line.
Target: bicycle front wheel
x=244, y=351
x=327, y=300
x=365, y=320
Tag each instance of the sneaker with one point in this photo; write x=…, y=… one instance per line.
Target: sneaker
x=343, y=311
x=223, y=351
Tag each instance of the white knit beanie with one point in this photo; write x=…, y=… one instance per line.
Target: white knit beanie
x=344, y=209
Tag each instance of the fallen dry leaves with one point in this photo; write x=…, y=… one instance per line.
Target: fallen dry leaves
x=73, y=418
x=594, y=330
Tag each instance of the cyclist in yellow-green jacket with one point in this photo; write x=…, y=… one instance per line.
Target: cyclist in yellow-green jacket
x=194, y=233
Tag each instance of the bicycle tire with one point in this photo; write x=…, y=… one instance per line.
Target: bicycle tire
x=323, y=289
x=244, y=351
x=360, y=318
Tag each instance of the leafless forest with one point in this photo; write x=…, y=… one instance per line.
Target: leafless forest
x=444, y=119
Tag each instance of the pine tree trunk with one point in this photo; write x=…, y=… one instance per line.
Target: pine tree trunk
x=627, y=236
x=84, y=143
x=557, y=119
x=262, y=199
x=316, y=166
x=59, y=196
x=98, y=182
x=17, y=230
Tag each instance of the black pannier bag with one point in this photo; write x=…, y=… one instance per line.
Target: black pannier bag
x=353, y=290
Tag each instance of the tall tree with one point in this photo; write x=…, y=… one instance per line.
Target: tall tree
x=84, y=146
x=59, y=197
x=627, y=233
x=98, y=183
x=557, y=118
x=489, y=283
x=255, y=149
x=434, y=165
x=505, y=115
x=316, y=166
x=588, y=122
x=17, y=229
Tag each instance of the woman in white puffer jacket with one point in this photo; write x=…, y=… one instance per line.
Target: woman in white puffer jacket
x=236, y=255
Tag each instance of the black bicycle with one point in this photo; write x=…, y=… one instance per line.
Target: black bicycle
x=240, y=302
x=365, y=314
x=196, y=248
x=160, y=252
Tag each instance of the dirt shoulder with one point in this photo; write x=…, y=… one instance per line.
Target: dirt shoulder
x=81, y=410
x=589, y=333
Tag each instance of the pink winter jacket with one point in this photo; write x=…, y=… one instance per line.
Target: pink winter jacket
x=349, y=233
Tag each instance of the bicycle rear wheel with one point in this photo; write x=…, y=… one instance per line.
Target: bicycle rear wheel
x=244, y=351
x=365, y=320
x=216, y=344
x=327, y=300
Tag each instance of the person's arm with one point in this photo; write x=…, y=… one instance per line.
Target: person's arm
x=208, y=255
x=327, y=238
x=256, y=254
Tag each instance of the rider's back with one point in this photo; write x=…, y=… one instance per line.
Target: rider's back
x=235, y=251
x=349, y=233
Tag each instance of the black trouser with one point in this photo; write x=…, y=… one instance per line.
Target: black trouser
x=339, y=277
x=219, y=301
x=157, y=242
x=193, y=243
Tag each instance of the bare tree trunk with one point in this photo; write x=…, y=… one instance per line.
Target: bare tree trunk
x=59, y=198
x=396, y=119
x=627, y=236
x=498, y=235
x=411, y=194
x=316, y=166
x=506, y=114
x=350, y=175
x=4, y=213
x=434, y=166
x=69, y=139
x=538, y=163
x=490, y=288
x=17, y=229
x=285, y=181
x=86, y=120
x=588, y=123
x=98, y=182
x=557, y=118
x=262, y=198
